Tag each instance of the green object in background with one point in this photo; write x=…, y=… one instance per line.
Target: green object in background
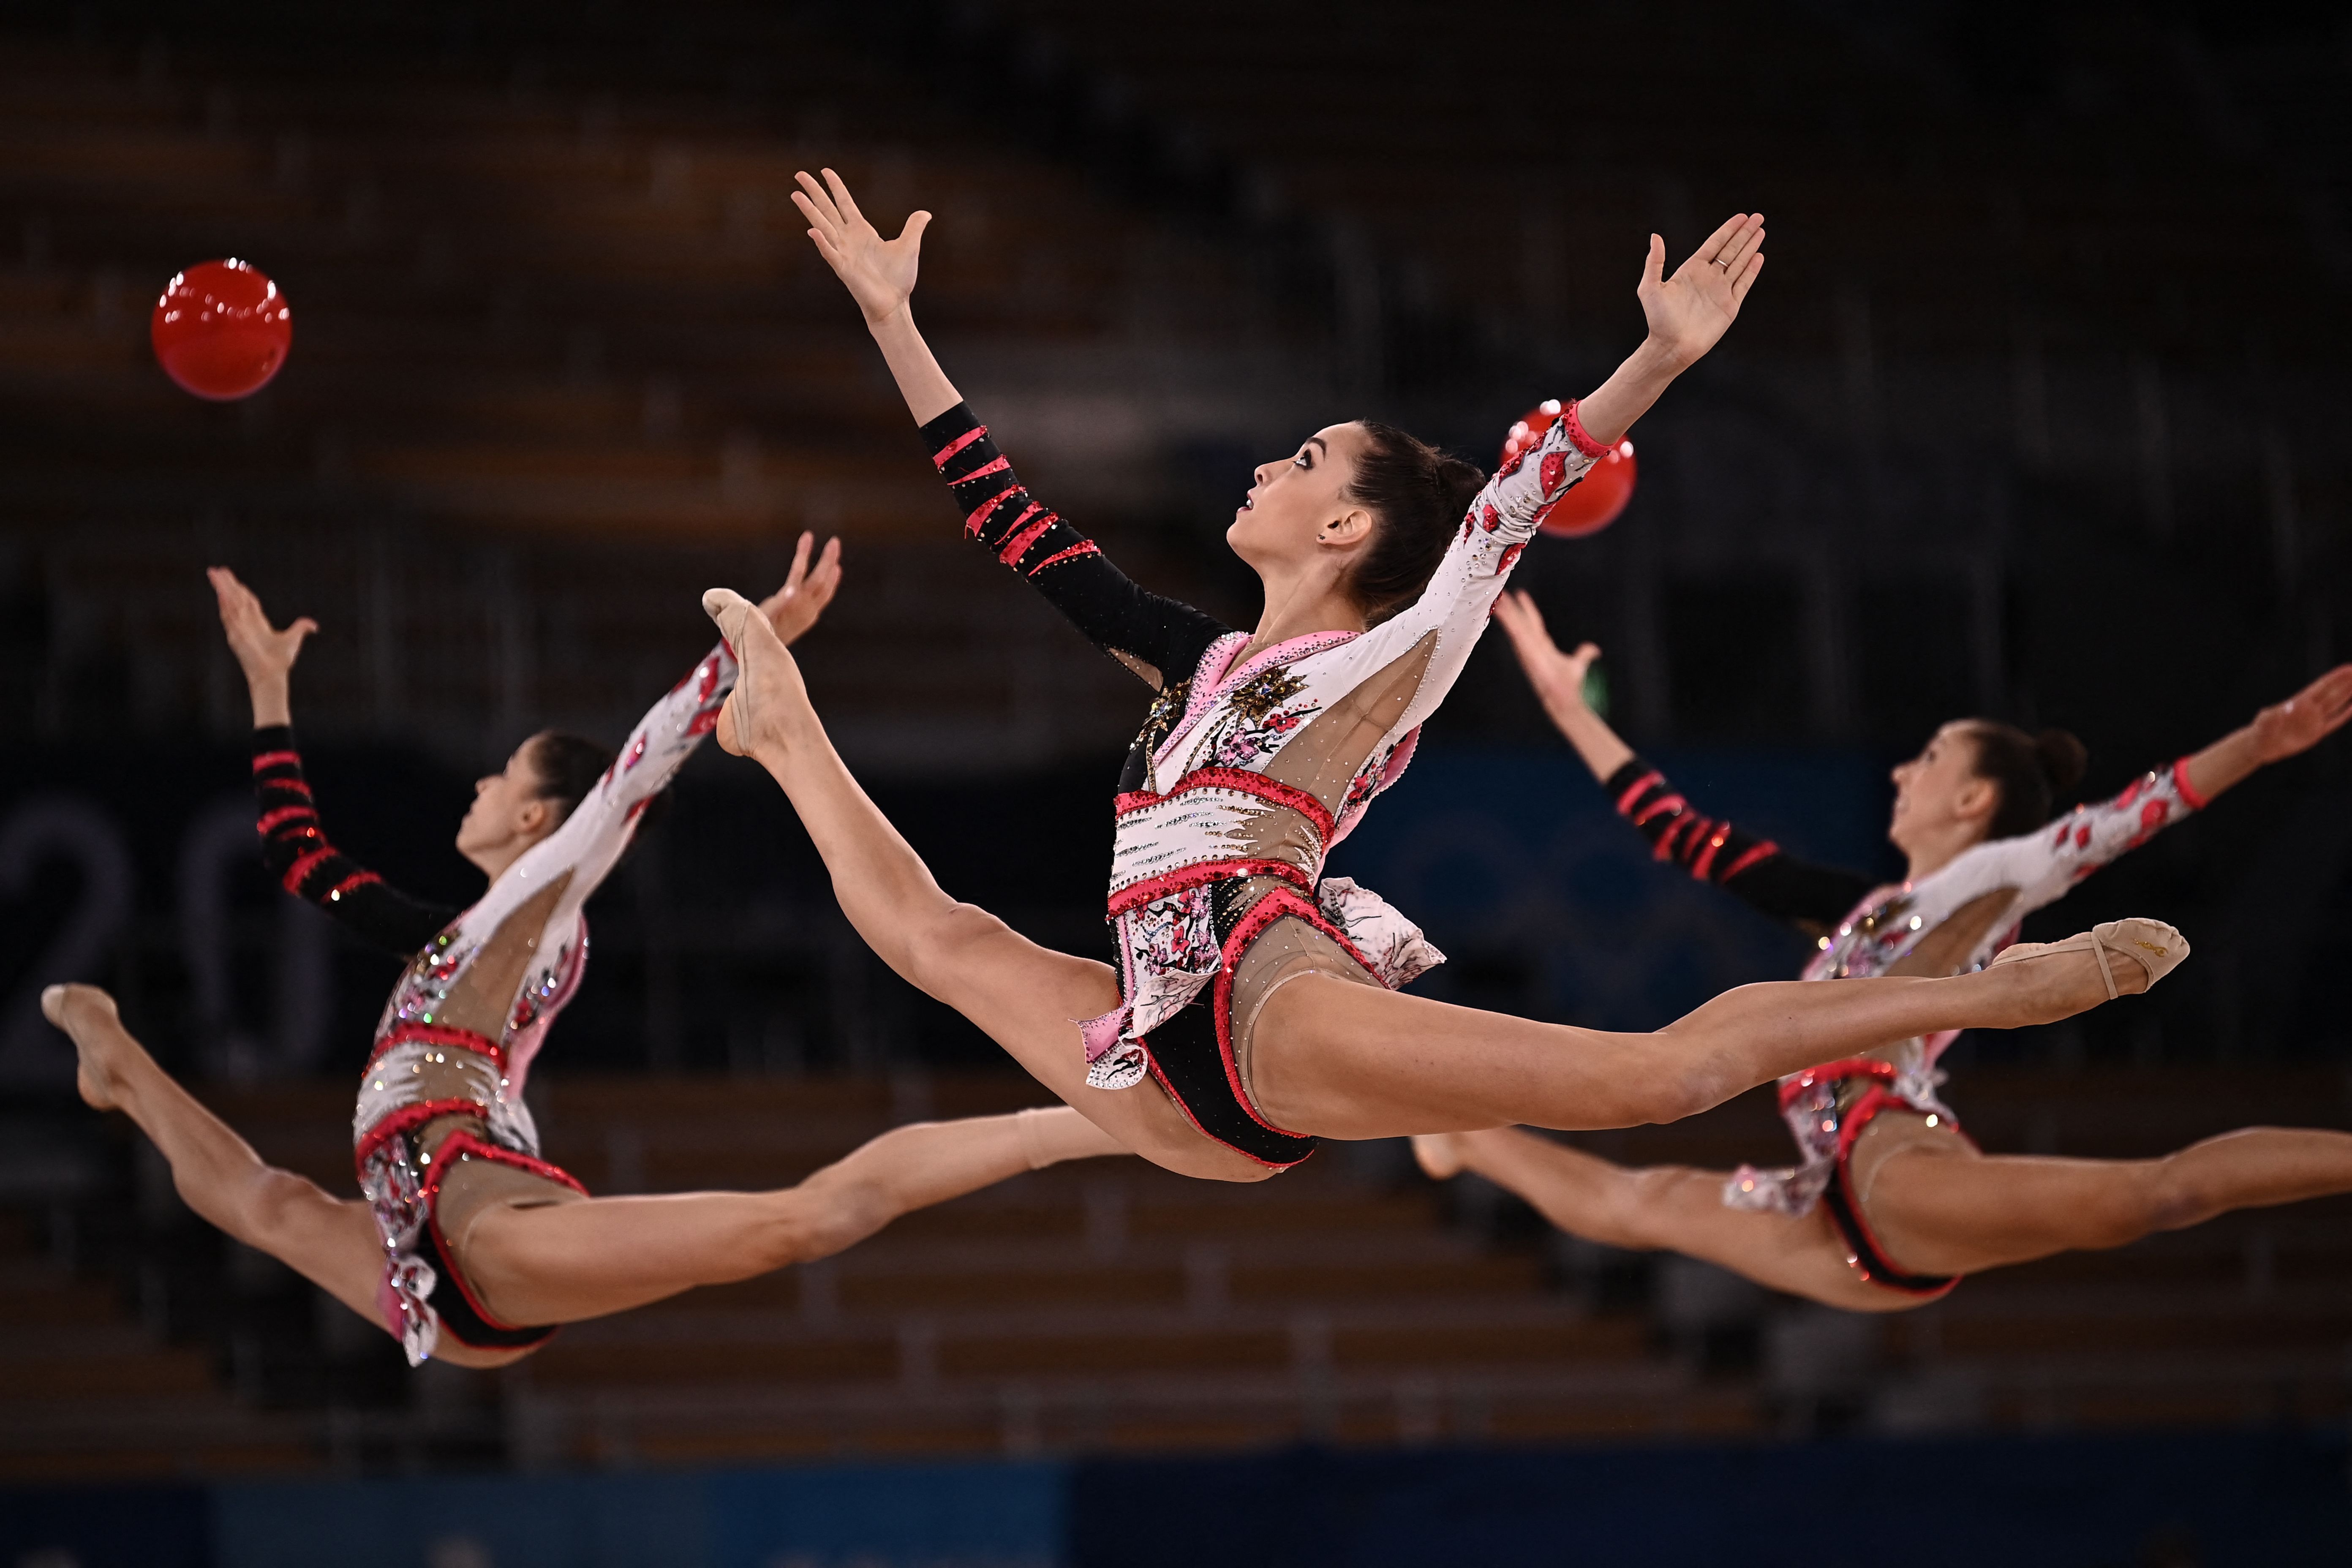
x=1596, y=688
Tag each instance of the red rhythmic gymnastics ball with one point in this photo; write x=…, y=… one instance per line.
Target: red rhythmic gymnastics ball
x=221, y=330
x=1593, y=502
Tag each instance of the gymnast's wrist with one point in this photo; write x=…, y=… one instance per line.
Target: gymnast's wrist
x=272, y=705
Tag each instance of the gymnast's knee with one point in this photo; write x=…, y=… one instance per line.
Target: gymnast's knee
x=814, y=1220
x=1675, y=1089
x=268, y=1210
x=941, y=945
x=2173, y=1198
x=1625, y=1211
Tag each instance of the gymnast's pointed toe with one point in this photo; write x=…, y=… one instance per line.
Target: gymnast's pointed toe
x=727, y=608
x=2155, y=949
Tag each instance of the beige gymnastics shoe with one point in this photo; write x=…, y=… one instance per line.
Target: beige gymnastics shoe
x=2155, y=946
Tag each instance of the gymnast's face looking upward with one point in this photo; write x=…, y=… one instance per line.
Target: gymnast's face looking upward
x=511, y=812
x=1299, y=517
x=1941, y=805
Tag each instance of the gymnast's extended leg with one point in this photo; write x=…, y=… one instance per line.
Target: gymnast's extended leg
x=556, y=1263
x=1940, y=1208
x=329, y=1241
x=1336, y=1059
x=1661, y=1208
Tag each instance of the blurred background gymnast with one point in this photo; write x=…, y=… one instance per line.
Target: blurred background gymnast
x=468, y=1244
x=1893, y=1202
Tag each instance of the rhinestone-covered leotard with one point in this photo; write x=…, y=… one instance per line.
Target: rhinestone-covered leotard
x=1247, y=771
x=440, y=1120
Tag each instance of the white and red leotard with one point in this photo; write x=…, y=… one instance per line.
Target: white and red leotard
x=1247, y=771
x=440, y=1119
x=1952, y=921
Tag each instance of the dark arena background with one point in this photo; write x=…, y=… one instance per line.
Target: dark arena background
x=2039, y=414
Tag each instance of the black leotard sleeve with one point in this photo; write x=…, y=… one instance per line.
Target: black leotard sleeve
x=1161, y=639
x=1810, y=897
x=294, y=848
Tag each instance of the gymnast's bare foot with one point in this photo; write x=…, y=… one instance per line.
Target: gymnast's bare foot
x=1440, y=1155
x=768, y=690
x=89, y=1015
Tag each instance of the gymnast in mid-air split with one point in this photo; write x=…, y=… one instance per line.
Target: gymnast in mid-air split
x=1252, y=1008
x=468, y=1246
x=1892, y=1203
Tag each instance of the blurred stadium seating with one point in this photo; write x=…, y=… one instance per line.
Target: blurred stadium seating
x=2042, y=392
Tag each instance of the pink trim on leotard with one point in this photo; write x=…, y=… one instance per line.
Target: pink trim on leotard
x=1137, y=894
x=1576, y=432
x=407, y=1118
x=1277, y=902
x=2180, y=782
x=1272, y=790
x=1206, y=689
x=440, y=1034
x=460, y=1145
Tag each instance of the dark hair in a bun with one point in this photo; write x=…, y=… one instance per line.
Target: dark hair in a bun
x=1417, y=496
x=2034, y=773
x=569, y=765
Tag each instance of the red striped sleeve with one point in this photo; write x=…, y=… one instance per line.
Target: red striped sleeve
x=1642, y=786
x=1763, y=850
x=940, y=459
x=1086, y=547
x=303, y=866
x=356, y=879
x=1018, y=545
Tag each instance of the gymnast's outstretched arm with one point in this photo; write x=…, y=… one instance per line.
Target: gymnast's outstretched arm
x=1157, y=639
x=294, y=842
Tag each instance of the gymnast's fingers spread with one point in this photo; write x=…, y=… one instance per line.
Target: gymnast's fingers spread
x=1526, y=627
x=1512, y=612
x=822, y=230
x=817, y=201
x=1534, y=614
x=793, y=579
x=842, y=199
x=825, y=579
